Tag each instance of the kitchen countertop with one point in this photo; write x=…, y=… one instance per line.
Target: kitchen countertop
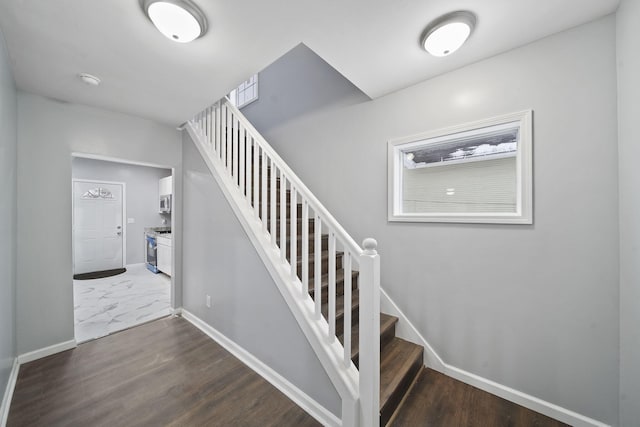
x=158, y=231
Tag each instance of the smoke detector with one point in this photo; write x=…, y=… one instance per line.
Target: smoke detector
x=89, y=79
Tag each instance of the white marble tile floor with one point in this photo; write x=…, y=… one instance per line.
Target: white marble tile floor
x=105, y=306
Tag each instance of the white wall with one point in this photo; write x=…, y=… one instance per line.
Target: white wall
x=628, y=39
x=220, y=261
x=48, y=132
x=8, y=140
x=532, y=307
x=142, y=185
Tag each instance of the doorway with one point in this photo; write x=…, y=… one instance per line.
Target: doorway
x=116, y=204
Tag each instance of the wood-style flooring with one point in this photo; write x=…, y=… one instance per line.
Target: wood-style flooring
x=162, y=373
x=168, y=373
x=440, y=401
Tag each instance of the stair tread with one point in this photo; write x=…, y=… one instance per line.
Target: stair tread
x=298, y=219
x=324, y=255
x=386, y=322
x=324, y=284
x=300, y=237
x=324, y=279
x=355, y=302
x=397, y=359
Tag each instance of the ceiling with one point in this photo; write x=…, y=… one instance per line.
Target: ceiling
x=373, y=43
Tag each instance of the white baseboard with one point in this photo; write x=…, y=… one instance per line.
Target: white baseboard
x=177, y=311
x=542, y=406
x=8, y=393
x=47, y=351
x=406, y=330
x=300, y=398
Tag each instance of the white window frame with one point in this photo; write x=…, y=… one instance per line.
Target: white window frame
x=524, y=173
x=234, y=96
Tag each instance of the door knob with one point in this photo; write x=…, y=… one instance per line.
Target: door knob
x=119, y=233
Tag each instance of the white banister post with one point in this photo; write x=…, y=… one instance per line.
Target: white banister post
x=369, y=285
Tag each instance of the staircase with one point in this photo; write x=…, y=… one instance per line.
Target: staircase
x=400, y=360
x=312, y=260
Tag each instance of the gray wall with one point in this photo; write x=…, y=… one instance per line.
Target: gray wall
x=628, y=36
x=532, y=307
x=220, y=261
x=8, y=140
x=48, y=132
x=141, y=201
x=297, y=84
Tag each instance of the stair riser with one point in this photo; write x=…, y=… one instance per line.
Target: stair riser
x=312, y=246
x=279, y=213
x=387, y=411
x=355, y=318
x=310, y=227
x=288, y=196
x=386, y=335
x=385, y=338
x=324, y=265
x=339, y=288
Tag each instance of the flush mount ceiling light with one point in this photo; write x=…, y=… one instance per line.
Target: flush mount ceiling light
x=448, y=33
x=178, y=20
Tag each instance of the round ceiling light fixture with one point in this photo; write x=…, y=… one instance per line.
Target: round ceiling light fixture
x=178, y=20
x=448, y=33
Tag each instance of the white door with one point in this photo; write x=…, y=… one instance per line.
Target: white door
x=97, y=226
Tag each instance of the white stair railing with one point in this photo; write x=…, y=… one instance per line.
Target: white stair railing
x=260, y=183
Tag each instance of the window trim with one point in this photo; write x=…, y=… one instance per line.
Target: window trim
x=524, y=174
x=254, y=99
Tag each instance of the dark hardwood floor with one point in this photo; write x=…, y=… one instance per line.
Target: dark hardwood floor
x=165, y=372
x=168, y=373
x=440, y=401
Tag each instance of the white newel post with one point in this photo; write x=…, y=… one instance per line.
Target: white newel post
x=369, y=334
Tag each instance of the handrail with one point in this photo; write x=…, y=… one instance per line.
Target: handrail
x=256, y=180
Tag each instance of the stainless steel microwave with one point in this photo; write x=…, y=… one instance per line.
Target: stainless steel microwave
x=165, y=204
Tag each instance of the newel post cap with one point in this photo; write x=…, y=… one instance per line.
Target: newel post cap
x=370, y=246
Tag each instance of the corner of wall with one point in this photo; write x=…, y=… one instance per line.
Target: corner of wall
x=5, y=404
x=406, y=330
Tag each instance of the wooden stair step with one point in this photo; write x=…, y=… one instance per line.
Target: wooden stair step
x=324, y=259
x=288, y=225
x=387, y=333
x=324, y=284
x=288, y=211
x=324, y=240
x=340, y=310
x=278, y=213
x=400, y=363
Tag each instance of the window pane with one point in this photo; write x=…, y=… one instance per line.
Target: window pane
x=473, y=187
x=470, y=172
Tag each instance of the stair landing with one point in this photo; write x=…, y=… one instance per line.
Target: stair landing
x=438, y=400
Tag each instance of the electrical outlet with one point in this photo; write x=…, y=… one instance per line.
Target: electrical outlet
x=131, y=220
x=208, y=301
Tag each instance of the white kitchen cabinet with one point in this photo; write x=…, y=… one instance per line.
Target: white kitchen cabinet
x=164, y=254
x=166, y=186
